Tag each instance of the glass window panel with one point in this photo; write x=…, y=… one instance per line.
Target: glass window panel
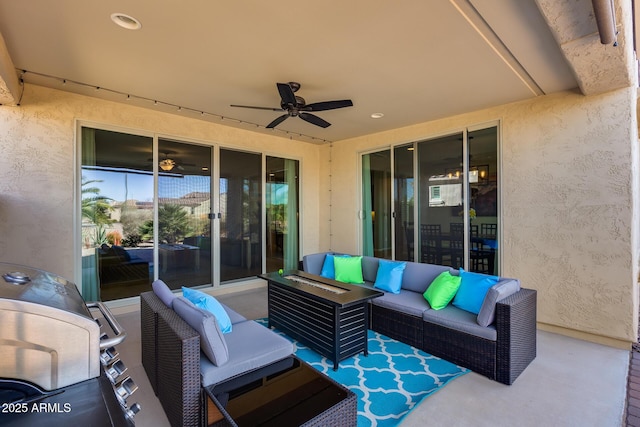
x=241, y=214
x=184, y=205
x=404, y=202
x=483, y=192
x=441, y=206
x=282, y=213
x=117, y=198
x=376, y=197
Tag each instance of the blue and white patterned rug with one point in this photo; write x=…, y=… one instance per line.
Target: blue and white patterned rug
x=390, y=382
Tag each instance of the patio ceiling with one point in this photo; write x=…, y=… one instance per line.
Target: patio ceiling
x=417, y=62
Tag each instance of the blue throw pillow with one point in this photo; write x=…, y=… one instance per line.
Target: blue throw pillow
x=328, y=267
x=389, y=276
x=209, y=303
x=473, y=289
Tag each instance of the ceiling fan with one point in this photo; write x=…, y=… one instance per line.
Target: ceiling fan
x=296, y=106
x=168, y=161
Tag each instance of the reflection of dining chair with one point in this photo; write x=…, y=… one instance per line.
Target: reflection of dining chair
x=431, y=243
x=481, y=260
x=456, y=244
x=408, y=234
x=488, y=229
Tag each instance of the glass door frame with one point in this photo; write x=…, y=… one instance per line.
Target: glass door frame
x=215, y=209
x=361, y=212
x=418, y=192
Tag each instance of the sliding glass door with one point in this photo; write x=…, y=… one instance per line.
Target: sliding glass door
x=483, y=199
x=116, y=200
x=158, y=208
x=445, y=201
x=184, y=207
x=403, y=202
x=376, y=192
x=240, y=214
x=442, y=204
x=282, y=213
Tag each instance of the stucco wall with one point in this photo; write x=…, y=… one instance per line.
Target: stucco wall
x=569, y=178
x=37, y=169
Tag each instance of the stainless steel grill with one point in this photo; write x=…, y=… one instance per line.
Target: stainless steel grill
x=50, y=342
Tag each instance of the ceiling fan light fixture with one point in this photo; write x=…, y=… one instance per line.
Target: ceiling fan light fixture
x=126, y=21
x=167, y=164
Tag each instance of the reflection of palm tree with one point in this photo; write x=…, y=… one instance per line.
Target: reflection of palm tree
x=94, y=206
x=173, y=224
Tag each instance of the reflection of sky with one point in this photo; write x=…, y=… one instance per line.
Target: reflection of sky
x=120, y=186
x=279, y=193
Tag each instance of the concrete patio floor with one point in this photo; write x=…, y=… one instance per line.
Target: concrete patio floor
x=570, y=383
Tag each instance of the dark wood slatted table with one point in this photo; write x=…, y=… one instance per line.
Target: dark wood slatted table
x=329, y=317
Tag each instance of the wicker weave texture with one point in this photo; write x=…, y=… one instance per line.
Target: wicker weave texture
x=171, y=358
x=502, y=360
x=148, y=333
x=397, y=325
x=516, y=320
x=470, y=351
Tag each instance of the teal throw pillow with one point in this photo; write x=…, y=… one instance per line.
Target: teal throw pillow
x=389, y=275
x=328, y=268
x=473, y=289
x=210, y=304
x=442, y=290
x=348, y=270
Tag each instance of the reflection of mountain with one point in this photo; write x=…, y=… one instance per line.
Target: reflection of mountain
x=192, y=199
x=196, y=203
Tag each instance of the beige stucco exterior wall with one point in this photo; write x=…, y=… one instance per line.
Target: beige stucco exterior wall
x=569, y=204
x=37, y=146
x=569, y=192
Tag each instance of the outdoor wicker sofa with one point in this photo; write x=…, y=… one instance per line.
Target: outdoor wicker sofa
x=500, y=351
x=179, y=371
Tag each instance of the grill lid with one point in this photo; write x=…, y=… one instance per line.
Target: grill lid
x=22, y=283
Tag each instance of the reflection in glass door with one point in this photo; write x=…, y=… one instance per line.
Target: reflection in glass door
x=441, y=204
x=184, y=207
x=376, y=198
x=282, y=217
x=483, y=199
x=403, y=202
x=116, y=199
x=241, y=214
x=457, y=218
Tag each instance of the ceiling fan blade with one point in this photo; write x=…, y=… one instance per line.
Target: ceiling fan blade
x=314, y=120
x=286, y=94
x=277, y=121
x=328, y=105
x=257, y=108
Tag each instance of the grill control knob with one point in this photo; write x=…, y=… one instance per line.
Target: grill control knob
x=124, y=389
x=133, y=410
x=115, y=369
x=108, y=355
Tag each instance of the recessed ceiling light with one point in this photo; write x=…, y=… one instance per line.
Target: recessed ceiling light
x=126, y=21
x=377, y=115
